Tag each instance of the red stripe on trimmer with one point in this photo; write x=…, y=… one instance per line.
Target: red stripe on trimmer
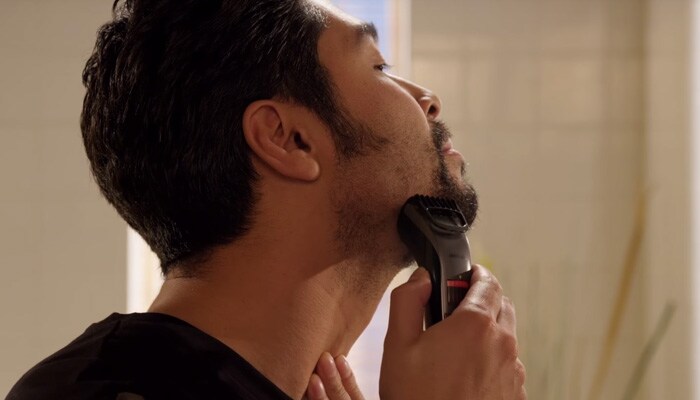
x=458, y=283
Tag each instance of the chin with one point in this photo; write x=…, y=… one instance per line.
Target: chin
x=454, y=186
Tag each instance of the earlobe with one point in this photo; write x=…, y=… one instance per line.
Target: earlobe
x=271, y=135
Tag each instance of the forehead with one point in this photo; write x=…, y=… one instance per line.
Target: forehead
x=333, y=12
x=343, y=29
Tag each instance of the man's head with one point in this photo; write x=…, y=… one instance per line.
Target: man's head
x=416, y=156
x=177, y=92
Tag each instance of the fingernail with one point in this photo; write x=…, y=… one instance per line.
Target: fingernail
x=343, y=367
x=328, y=367
x=316, y=389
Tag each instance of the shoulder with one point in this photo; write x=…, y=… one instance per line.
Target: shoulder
x=83, y=369
x=154, y=356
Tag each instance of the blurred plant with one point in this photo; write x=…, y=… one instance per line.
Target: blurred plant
x=649, y=351
x=628, y=272
x=556, y=362
x=546, y=346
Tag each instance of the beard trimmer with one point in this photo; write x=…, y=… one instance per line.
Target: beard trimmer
x=434, y=230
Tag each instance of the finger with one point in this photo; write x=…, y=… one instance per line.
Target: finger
x=348, y=378
x=407, y=307
x=520, y=374
x=484, y=293
x=523, y=394
x=506, y=318
x=316, y=391
x=330, y=377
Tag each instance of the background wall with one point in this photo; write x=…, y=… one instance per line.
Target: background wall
x=667, y=253
x=574, y=115
x=62, y=248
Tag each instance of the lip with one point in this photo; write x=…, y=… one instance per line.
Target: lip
x=447, y=149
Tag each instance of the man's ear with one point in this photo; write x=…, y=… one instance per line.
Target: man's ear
x=269, y=129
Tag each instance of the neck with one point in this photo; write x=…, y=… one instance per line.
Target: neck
x=280, y=314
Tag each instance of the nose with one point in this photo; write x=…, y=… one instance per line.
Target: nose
x=428, y=101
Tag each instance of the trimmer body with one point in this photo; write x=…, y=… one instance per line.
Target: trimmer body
x=434, y=230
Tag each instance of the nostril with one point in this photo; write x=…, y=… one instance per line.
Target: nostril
x=432, y=110
x=430, y=104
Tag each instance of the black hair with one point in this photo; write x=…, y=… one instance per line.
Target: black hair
x=167, y=85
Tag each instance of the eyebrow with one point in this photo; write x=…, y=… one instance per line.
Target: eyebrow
x=366, y=29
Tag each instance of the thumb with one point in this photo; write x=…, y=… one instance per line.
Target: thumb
x=407, y=309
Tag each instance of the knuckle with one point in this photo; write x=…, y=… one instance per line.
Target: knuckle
x=509, y=347
x=334, y=387
x=351, y=387
x=335, y=390
x=509, y=308
x=496, y=285
x=489, y=278
x=508, y=303
x=478, y=316
x=478, y=313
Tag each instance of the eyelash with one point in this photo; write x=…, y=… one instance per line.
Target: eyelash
x=383, y=67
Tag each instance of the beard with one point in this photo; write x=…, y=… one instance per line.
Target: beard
x=365, y=230
x=445, y=185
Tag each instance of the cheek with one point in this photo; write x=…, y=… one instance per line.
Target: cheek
x=407, y=168
x=398, y=117
x=409, y=162
x=381, y=103
x=396, y=112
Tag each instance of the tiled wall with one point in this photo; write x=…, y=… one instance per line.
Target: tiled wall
x=668, y=139
x=556, y=104
x=61, y=246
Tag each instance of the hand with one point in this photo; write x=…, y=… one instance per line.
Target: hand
x=472, y=354
x=333, y=380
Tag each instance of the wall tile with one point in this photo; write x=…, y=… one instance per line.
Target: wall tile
x=625, y=26
x=480, y=77
x=625, y=90
x=20, y=171
x=571, y=26
x=517, y=91
x=64, y=174
x=441, y=76
x=572, y=90
x=669, y=94
x=565, y=164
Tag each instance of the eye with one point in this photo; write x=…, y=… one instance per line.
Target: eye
x=384, y=67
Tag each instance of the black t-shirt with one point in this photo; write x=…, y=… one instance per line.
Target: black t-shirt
x=144, y=356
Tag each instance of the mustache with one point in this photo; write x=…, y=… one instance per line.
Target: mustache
x=441, y=133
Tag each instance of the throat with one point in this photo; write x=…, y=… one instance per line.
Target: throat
x=281, y=330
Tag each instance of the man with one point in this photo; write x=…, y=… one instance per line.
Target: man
x=263, y=151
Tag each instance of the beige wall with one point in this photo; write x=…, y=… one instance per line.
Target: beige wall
x=568, y=111
x=62, y=248
x=667, y=250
